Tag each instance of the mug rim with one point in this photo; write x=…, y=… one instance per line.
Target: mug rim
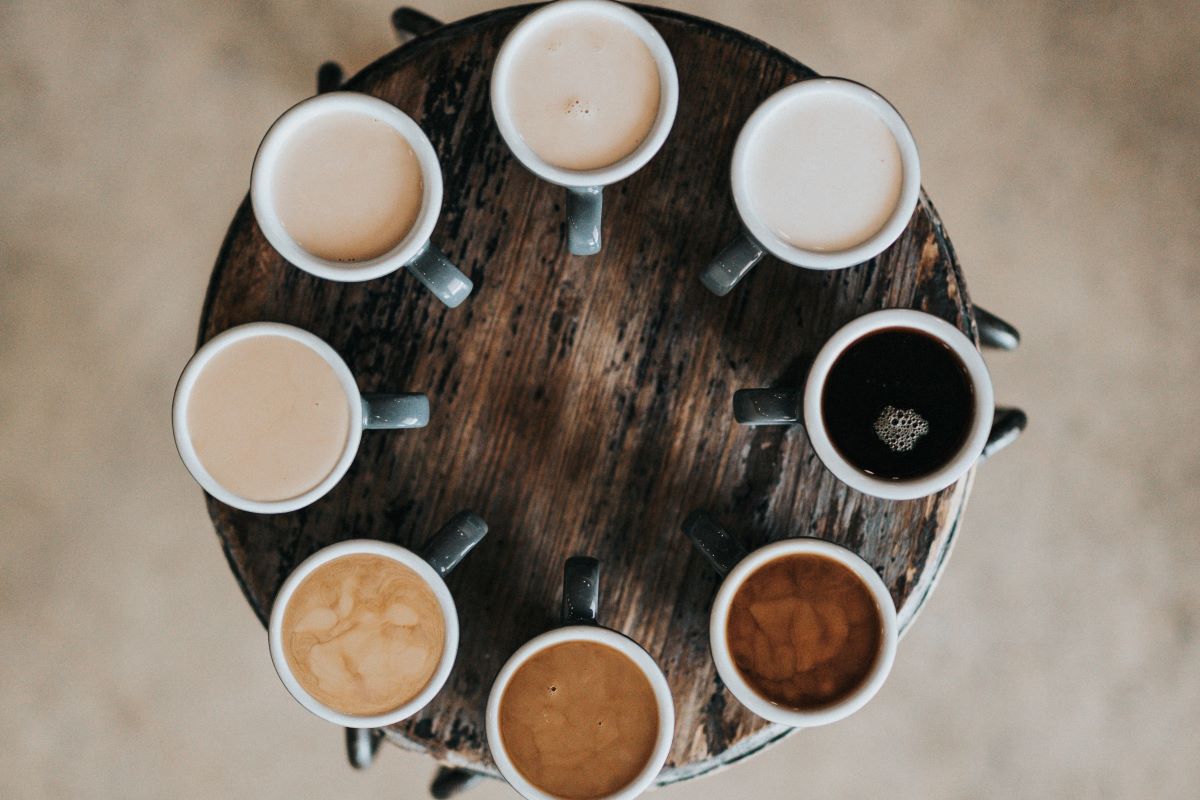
x=981, y=423
x=262, y=186
x=897, y=221
x=401, y=555
x=583, y=633
x=668, y=101
x=187, y=381
x=732, y=677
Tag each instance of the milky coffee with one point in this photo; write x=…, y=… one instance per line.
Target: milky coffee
x=579, y=720
x=363, y=634
x=804, y=631
x=584, y=91
x=347, y=187
x=268, y=418
x=824, y=171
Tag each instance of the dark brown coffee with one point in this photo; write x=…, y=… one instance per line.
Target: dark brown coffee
x=898, y=404
x=579, y=720
x=804, y=631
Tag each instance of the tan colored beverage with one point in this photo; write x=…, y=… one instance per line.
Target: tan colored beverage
x=584, y=91
x=268, y=418
x=824, y=172
x=363, y=634
x=348, y=187
x=579, y=720
x=804, y=631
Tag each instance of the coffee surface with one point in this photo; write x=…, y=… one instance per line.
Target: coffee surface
x=363, y=634
x=898, y=404
x=583, y=91
x=347, y=187
x=579, y=720
x=804, y=631
x=268, y=418
x=824, y=172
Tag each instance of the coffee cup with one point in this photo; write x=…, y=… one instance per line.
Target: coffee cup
x=825, y=175
x=898, y=404
x=826, y=621
x=347, y=187
x=584, y=92
x=550, y=703
x=267, y=417
x=364, y=633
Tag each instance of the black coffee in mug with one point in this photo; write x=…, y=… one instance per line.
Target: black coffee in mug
x=898, y=404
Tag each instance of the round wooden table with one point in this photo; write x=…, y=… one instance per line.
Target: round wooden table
x=582, y=405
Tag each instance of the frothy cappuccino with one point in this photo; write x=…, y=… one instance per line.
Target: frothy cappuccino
x=363, y=634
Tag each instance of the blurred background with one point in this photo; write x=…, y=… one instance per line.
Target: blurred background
x=1060, y=655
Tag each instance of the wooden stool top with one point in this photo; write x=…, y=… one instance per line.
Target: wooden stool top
x=581, y=405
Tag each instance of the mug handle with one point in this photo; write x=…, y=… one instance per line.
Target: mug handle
x=456, y=538
x=585, y=208
x=439, y=275
x=732, y=264
x=391, y=411
x=581, y=591
x=716, y=544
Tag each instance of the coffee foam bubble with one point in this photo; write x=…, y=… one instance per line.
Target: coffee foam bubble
x=900, y=428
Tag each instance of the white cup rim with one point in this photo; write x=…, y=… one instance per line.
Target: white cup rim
x=187, y=381
x=981, y=423
x=262, y=183
x=583, y=633
x=910, y=186
x=732, y=677
x=667, y=105
x=403, y=556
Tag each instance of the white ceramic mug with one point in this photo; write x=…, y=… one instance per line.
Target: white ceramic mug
x=730, y=558
x=584, y=187
x=414, y=252
x=443, y=552
x=790, y=406
x=374, y=411
x=736, y=260
x=581, y=585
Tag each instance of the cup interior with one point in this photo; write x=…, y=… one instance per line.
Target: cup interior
x=266, y=164
x=187, y=381
x=958, y=464
x=371, y=547
x=667, y=104
x=584, y=633
x=763, y=706
x=910, y=186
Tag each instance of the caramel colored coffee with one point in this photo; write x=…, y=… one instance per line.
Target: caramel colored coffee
x=363, y=634
x=804, y=631
x=268, y=418
x=348, y=187
x=579, y=720
x=584, y=91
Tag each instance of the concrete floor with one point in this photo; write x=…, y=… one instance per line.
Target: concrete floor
x=1060, y=656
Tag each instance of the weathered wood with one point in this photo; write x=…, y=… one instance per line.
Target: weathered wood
x=582, y=404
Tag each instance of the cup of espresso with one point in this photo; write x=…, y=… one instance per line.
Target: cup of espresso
x=347, y=187
x=267, y=417
x=825, y=175
x=581, y=711
x=803, y=631
x=364, y=633
x=584, y=93
x=898, y=404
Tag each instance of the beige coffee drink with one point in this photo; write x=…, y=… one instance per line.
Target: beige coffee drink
x=268, y=418
x=363, y=634
x=348, y=187
x=584, y=91
x=824, y=171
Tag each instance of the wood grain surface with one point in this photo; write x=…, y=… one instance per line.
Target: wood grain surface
x=582, y=405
